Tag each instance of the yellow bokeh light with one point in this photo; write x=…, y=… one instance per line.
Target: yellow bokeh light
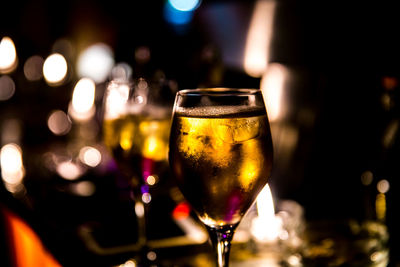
x=151, y=179
x=150, y=146
x=8, y=55
x=55, y=69
x=380, y=205
x=127, y=135
x=155, y=134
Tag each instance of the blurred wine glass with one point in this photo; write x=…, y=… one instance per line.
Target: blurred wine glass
x=136, y=123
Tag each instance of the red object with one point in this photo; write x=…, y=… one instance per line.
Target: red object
x=181, y=211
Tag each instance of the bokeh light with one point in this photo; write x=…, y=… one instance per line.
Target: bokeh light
x=33, y=68
x=151, y=255
x=69, y=170
x=11, y=131
x=8, y=55
x=176, y=16
x=129, y=263
x=266, y=226
x=84, y=188
x=59, y=123
x=142, y=54
x=152, y=179
x=121, y=72
x=117, y=95
x=139, y=209
x=383, y=186
x=367, y=178
x=256, y=54
x=82, y=104
x=272, y=86
x=96, y=62
x=55, y=69
x=184, y=5
x=64, y=47
x=90, y=156
x=12, y=168
x=146, y=198
x=7, y=87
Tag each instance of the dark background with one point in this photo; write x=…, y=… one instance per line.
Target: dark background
x=340, y=52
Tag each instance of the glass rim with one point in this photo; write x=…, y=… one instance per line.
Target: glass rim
x=219, y=91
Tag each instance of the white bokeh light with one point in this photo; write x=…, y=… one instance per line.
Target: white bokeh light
x=12, y=168
x=69, y=170
x=8, y=55
x=90, y=156
x=96, y=62
x=82, y=105
x=55, y=69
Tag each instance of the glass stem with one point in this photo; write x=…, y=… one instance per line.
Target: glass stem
x=221, y=238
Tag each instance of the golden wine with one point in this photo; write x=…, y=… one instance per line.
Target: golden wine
x=135, y=141
x=222, y=158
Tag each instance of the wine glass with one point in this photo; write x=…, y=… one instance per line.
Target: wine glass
x=136, y=123
x=220, y=152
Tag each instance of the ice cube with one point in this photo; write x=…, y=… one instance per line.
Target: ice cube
x=237, y=130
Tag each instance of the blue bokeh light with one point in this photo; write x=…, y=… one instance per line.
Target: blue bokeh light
x=184, y=5
x=175, y=16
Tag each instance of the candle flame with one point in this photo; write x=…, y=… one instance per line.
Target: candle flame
x=265, y=227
